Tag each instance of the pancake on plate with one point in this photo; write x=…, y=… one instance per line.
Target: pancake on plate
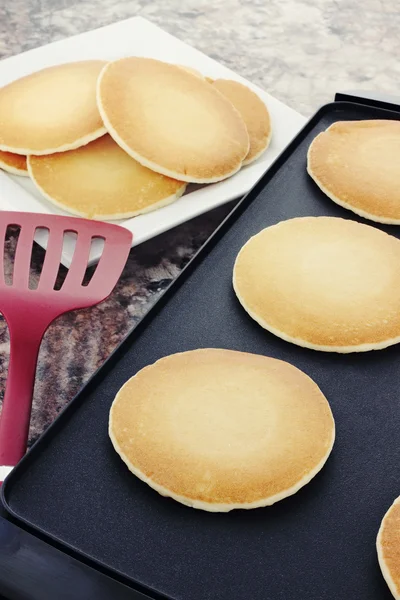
x=254, y=113
x=170, y=121
x=388, y=548
x=52, y=110
x=219, y=429
x=323, y=283
x=13, y=163
x=101, y=181
x=356, y=164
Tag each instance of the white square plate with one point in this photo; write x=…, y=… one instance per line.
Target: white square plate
x=139, y=37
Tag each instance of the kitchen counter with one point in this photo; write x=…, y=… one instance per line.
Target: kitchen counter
x=299, y=51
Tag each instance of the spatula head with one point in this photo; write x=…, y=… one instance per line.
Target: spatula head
x=30, y=311
x=72, y=294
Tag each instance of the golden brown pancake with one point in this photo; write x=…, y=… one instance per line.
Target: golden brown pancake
x=13, y=163
x=52, y=110
x=323, y=283
x=254, y=113
x=101, y=181
x=219, y=429
x=388, y=548
x=356, y=164
x=170, y=121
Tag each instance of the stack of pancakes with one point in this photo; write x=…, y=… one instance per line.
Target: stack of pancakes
x=114, y=140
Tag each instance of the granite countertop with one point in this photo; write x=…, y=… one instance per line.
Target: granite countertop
x=301, y=51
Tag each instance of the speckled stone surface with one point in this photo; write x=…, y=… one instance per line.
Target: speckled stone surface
x=299, y=51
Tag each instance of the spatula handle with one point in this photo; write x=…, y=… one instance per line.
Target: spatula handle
x=17, y=403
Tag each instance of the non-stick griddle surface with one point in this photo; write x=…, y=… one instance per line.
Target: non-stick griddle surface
x=318, y=544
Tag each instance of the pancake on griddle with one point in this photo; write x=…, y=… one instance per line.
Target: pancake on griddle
x=13, y=163
x=170, y=121
x=101, y=181
x=52, y=110
x=388, y=548
x=324, y=283
x=357, y=165
x=254, y=113
x=220, y=429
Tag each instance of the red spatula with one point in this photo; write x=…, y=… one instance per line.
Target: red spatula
x=29, y=312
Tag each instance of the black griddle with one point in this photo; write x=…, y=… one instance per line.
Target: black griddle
x=74, y=491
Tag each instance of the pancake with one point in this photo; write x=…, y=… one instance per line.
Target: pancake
x=52, y=110
x=219, y=429
x=254, y=113
x=356, y=164
x=100, y=181
x=323, y=283
x=170, y=121
x=13, y=163
x=388, y=548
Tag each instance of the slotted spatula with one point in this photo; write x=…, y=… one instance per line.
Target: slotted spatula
x=29, y=312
